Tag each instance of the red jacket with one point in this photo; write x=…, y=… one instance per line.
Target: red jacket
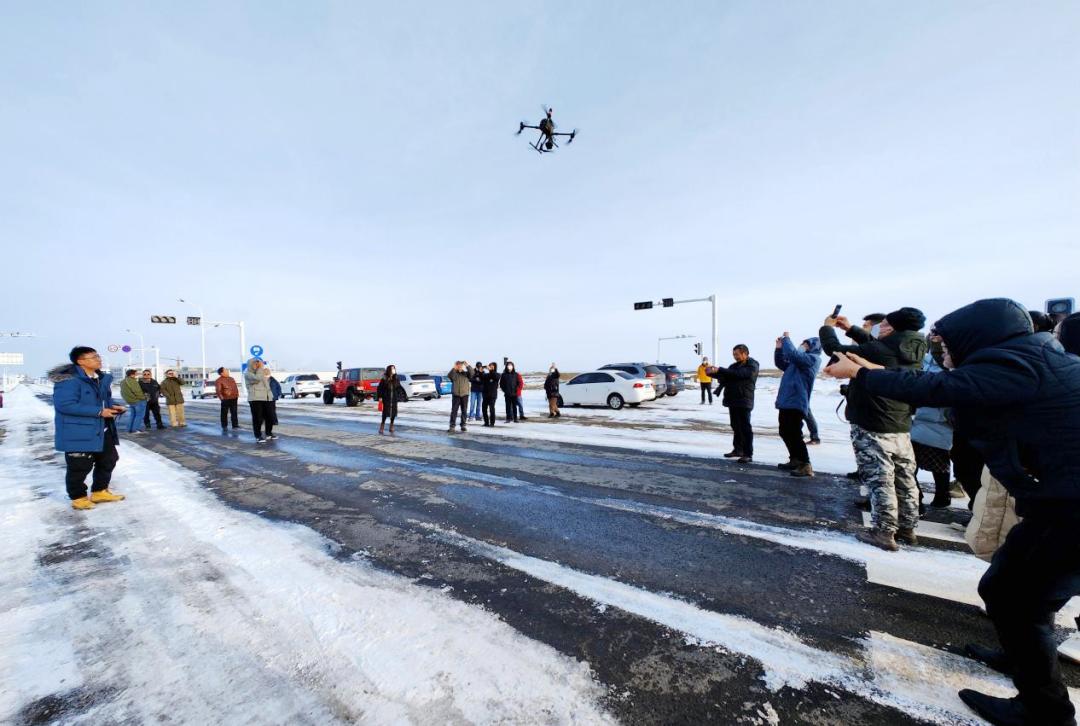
x=521, y=385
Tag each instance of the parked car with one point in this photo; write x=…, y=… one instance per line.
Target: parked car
x=300, y=385
x=676, y=379
x=649, y=371
x=206, y=390
x=417, y=385
x=611, y=388
x=353, y=384
x=443, y=385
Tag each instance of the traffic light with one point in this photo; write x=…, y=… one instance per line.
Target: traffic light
x=163, y=319
x=697, y=348
x=669, y=302
x=194, y=321
x=643, y=305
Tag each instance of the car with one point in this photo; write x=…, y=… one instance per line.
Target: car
x=206, y=390
x=676, y=379
x=417, y=385
x=443, y=385
x=611, y=388
x=353, y=384
x=649, y=371
x=300, y=385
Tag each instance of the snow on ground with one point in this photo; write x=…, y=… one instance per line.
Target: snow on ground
x=172, y=607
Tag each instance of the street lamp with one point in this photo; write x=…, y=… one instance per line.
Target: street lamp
x=142, y=347
x=202, y=332
x=243, y=346
x=668, y=302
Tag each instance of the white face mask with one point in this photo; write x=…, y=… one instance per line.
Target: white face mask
x=875, y=329
x=551, y=370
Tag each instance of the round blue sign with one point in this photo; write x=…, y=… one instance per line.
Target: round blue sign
x=256, y=350
x=126, y=349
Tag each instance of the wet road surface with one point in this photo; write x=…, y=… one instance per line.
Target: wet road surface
x=424, y=504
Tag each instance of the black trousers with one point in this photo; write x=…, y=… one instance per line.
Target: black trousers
x=228, y=408
x=967, y=465
x=744, y=434
x=262, y=413
x=706, y=389
x=791, y=422
x=459, y=403
x=1032, y=576
x=511, y=407
x=488, y=408
x=153, y=406
x=81, y=463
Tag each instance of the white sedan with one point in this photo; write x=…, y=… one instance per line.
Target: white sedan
x=613, y=389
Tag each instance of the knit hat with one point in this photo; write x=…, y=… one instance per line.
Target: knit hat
x=906, y=319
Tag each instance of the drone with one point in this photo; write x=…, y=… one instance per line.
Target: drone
x=546, y=141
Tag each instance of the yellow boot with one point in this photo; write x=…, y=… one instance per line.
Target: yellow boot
x=82, y=503
x=105, y=496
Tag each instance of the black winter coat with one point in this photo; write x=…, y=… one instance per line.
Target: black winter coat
x=491, y=384
x=508, y=382
x=476, y=381
x=389, y=391
x=1016, y=398
x=903, y=350
x=551, y=385
x=150, y=388
x=738, y=381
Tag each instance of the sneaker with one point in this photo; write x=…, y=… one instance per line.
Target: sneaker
x=105, y=496
x=804, y=471
x=135, y=433
x=906, y=536
x=746, y=460
x=260, y=440
x=878, y=538
x=272, y=437
x=82, y=503
x=463, y=429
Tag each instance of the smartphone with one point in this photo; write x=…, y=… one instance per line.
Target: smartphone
x=836, y=311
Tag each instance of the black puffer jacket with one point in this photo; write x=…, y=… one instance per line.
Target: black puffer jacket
x=738, y=381
x=491, y=384
x=903, y=350
x=551, y=384
x=1016, y=397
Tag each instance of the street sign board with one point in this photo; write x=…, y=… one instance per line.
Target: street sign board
x=113, y=348
x=11, y=359
x=256, y=351
x=126, y=348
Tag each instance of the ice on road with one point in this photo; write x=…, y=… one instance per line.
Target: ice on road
x=172, y=607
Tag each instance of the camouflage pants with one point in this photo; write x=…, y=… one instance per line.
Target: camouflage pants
x=887, y=468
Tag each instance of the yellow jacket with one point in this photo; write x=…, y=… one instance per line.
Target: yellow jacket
x=702, y=376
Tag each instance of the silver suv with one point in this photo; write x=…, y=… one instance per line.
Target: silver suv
x=642, y=370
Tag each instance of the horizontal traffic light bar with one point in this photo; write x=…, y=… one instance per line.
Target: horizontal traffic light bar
x=163, y=319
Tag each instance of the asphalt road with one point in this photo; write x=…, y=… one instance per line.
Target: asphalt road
x=430, y=506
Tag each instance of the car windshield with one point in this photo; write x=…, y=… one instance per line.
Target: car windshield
x=307, y=377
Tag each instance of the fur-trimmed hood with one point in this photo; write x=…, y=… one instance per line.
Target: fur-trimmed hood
x=61, y=372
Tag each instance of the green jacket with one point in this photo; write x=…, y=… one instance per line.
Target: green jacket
x=131, y=391
x=174, y=395
x=901, y=351
x=461, y=381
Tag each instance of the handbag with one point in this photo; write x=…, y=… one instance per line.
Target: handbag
x=993, y=515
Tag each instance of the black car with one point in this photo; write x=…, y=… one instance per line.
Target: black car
x=676, y=380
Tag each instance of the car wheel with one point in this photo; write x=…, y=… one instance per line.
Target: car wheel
x=328, y=397
x=427, y=398
x=351, y=399
x=615, y=401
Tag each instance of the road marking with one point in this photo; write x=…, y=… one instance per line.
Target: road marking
x=929, y=530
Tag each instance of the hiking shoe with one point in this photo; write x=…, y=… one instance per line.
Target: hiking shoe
x=906, y=536
x=789, y=465
x=942, y=503
x=746, y=459
x=451, y=430
x=991, y=657
x=82, y=503
x=878, y=538
x=804, y=471
x=733, y=455
x=463, y=429
x=999, y=711
x=105, y=496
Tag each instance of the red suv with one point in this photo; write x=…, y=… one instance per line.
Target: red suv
x=352, y=384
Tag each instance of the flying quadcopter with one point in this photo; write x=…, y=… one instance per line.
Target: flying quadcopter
x=546, y=141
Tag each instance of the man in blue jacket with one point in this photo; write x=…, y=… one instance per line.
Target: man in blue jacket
x=1016, y=398
x=85, y=429
x=800, y=367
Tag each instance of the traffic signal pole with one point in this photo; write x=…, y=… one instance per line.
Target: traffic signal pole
x=669, y=302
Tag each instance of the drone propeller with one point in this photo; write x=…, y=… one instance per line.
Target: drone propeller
x=520, y=129
x=571, y=139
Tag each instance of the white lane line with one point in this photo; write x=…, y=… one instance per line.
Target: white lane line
x=910, y=677
x=929, y=530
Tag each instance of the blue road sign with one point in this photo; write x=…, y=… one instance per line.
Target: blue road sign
x=257, y=350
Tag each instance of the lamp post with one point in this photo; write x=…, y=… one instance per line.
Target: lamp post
x=238, y=324
x=202, y=332
x=142, y=347
x=668, y=302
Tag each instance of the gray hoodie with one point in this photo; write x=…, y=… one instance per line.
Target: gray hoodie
x=257, y=382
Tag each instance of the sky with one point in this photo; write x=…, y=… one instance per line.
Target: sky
x=345, y=178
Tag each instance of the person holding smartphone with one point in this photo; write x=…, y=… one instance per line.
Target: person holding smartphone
x=82, y=395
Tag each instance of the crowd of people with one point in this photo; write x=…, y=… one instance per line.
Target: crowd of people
x=991, y=387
